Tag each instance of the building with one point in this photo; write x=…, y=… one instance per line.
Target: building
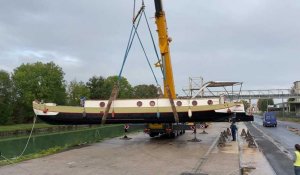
x=294, y=103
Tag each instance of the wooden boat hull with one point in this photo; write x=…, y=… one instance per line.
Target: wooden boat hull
x=68, y=115
x=79, y=118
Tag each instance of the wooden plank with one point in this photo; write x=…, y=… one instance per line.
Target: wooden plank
x=176, y=118
x=112, y=97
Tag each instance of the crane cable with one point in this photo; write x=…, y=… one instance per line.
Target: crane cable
x=154, y=45
x=131, y=38
x=9, y=160
x=133, y=10
x=146, y=56
x=129, y=44
x=34, y=120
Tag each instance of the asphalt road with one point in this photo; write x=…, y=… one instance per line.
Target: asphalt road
x=277, y=144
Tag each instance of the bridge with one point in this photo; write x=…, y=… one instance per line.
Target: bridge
x=233, y=90
x=254, y=94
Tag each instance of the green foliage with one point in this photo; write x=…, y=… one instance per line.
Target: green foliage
x=145, y=91
x=126, y=90
x=289, y=118
x=246, y=104
x=77, y=90
x=24, y=127
x=291, y=99
x=45, y=82
x=5, y=97
x=37, y=81
x=262, y=104
x=42, y=153
x=96, y=87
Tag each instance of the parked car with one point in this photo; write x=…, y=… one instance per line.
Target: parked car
x=269, y=119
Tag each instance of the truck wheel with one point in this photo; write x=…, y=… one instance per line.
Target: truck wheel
x=172, y=135
x=153, y=134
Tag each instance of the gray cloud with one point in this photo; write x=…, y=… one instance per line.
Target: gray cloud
x=254, y=41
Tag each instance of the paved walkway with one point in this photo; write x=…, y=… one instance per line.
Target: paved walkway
x=236, y=155
x=252, y=159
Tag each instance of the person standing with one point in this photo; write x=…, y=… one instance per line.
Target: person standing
x=82, y=101
x=297, y=159
x=233, y=131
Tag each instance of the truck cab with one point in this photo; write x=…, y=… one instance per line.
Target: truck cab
x=269, y=119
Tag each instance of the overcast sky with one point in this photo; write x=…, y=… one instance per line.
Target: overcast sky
x=253, y=41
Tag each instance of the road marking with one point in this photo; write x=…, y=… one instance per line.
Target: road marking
x=277, y=144
x=204, y=158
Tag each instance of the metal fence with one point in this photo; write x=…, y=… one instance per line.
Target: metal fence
x=12, y=147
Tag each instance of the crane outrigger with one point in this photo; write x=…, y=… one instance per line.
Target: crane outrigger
x=159, y=113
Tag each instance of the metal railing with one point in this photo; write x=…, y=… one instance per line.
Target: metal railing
x=254, y=94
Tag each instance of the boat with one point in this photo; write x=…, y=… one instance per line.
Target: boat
x=167, y=109
x=142, y=111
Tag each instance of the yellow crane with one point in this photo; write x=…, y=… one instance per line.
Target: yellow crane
x=160, y=115
x=164, y=41
x=169, y=88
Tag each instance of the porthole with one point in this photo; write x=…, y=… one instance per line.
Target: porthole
x=152, y=103
x=139, y=103
x=179, y=103
x=194, y=103
x=102, y=104
x=210, y=102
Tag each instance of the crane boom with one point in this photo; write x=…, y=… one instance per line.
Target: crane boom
x=164, y=41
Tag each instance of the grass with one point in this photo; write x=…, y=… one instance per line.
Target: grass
x=285, y=118
x=33, y=156
x=289, y=119
x=4, y=128
x=23, y=126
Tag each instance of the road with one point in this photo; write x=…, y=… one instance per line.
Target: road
x=144, y=155
x=277, y=143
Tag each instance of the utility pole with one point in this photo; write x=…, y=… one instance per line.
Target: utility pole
x=282, y=104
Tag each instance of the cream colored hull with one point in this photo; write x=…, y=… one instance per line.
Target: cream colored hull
x=140, y=111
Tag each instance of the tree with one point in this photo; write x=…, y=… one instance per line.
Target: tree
x=37, y=81
x=77, y=90
x=125, y=89
x=96, y=87
x=246, y=104
x=145, y=91
x=5, y=97
x=262, y=104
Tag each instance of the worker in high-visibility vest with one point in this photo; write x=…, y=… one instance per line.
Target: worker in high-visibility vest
x=297, y=160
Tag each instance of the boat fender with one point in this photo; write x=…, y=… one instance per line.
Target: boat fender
x=45, y=110
x=228, y=110
x=113, y=114
x=190, y=113
x=157, y=114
